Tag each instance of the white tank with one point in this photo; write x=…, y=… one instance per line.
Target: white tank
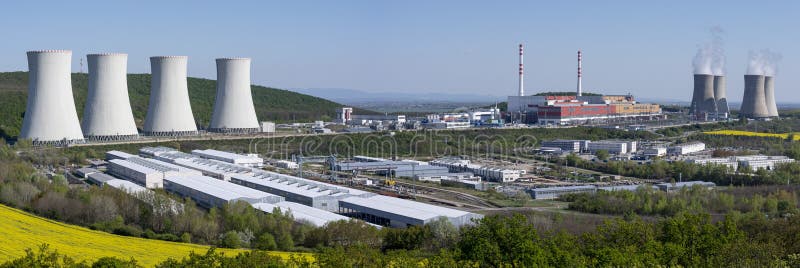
x=50, y=116
x=233, y=106
x=107, y=115
x=169, y=112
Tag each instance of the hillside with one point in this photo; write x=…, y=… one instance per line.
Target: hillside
x=271, y=104
x=21, y=230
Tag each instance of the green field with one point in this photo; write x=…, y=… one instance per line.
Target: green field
x=271, y=104
x=21, y=230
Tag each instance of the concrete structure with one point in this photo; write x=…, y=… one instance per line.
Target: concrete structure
x=311, y=193
x=655, y=151
x=670, y=187
x=496, y=174
x=686, y=148
x=237, y=159
x=268, y=127
x=754, y=102
x=100, y=179
x=126, y=186
x=728, y=162
x=575, y=146
x=210, y=192
x=720, y=97
x=233, y=106
x=396, y=212
x=613, y=147
x=147, y=172
x=85, y=172
x=555, y=192
x=111, y=155
x=769, y=96
x=756, y=162
x=107, y=115
x=580, y=72
x=50, y=116
x=286, y=164
x=521, y=77
x=703, y=101
x=301, y=213
x=169, y=112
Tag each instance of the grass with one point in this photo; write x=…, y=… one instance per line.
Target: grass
x=20, y=230
x=751, y=134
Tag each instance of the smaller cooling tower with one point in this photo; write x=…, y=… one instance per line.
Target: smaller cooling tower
x=233, y=105
x=107, y=115
x=50, y=116
x=769, y=94
x=754, y=103
x=169, y=112
x=720, y=95
x=703, y=98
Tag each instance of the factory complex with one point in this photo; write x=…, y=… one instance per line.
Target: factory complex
x=214, y=178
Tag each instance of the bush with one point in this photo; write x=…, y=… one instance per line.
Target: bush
x=230, y=240
x=266, y=242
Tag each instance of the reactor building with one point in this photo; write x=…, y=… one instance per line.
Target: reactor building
x=233, y=106
x=574, y=108
x=169, y=112
x=50, y=115
x=107, y=115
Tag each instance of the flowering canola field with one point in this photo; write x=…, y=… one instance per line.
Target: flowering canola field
x=750, y=134
x=20, y=230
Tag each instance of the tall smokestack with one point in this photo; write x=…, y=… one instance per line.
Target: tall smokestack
x=769, y=94
x=169, y=112
x=754, y=103
x=50, y=116
x=107, y=114
x=580, y=87
x=233, y=107
x=521, y=82
x=720, y=94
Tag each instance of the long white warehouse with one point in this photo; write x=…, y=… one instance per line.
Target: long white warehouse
x=302, y=213
x=237, y=159
x=50, y=116
x=107, y=115
x=396, y=212
x=147, y=172
x=307, y=192
x=211, y=192
x=169, y=112
x=233, y=106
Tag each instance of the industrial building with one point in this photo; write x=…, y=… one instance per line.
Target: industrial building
x=613, y=147
x=671, y=187
x=703, y=101
x=497, y=174
x=168, y=111
x=125, y=186
x=147, y=172
x=301, y=213
x=396, y=212
x=750, y=162
x=686, y=148
x=233, y=106
x=50, y=116
x=304, y=191
x=555, y=192
x=111, y=155
x=236, y=159
x=107, y=115
x=731, y=164
x=575, y=146
x=655, y=151
x=210, y=192
x=286, y=164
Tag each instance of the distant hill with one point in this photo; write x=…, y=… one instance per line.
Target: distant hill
x=271, y=104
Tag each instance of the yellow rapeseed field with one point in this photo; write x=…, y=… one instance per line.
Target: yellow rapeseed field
x=750, y=134
x=20, y=230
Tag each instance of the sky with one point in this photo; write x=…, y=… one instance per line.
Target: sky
x=457, y=47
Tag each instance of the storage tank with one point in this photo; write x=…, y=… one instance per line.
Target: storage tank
x=233, y=106
x=769, y=95
x=107, y=115
x=703, y=98
x=50, y=116
x=754, y=103
x=169, y=112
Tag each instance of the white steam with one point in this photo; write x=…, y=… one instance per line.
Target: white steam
x=763, y=62
x=710, y=57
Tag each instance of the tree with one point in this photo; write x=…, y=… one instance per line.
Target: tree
x=602, y=155
x=266, y=241
x=500, y=241
x=230, y=240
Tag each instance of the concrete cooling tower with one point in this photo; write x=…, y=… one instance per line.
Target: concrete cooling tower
x=754, y=103
x=107, y=115
x=720, y=95
x=50, y=116
x=703, y=97
x=769, y=96
x=169, y=112
x=233, y=105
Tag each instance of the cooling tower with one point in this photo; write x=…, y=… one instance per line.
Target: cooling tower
x=107, y=115
x=50, y=116
x=769, y=96
x=703, y=97
x=720, y=94
x=169, y=112
x=233, y=106
x=754, y=103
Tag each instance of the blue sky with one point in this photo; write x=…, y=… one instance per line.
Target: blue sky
x=464, y=47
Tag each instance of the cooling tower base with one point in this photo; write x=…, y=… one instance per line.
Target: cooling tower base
x=113, y=137
x=234, y=130
x=171, y=133
x=60, y=143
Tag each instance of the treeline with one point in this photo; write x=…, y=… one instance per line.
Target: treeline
x=686, y=240
x=697, y=199
x=677, y=131
x=764, y=145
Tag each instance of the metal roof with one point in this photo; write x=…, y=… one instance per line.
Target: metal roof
x=218, y=188
x=134, y=166
x=225, y=155
x=317, y=217
x=404, y=208
x=126, y=186
x=100, y=178
x=564, y=188
x=292, y=186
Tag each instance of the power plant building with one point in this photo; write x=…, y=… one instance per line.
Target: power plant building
x=233, y=106
x=210, y=192
x=703, y=101
x=237, y=159
x=169, y=112
x=107, y=115
x=396, y=212
x=50, y=115
x=769, y=96
x=720, y=96
x=307, y=192
x=301, y=213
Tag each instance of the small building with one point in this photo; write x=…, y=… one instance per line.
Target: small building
x=110, y=155
x=686, y=148
x=655, y=151
x=99, y=178
x=671, y=187
x=396, y=212
x=301, y=213
x=267, y=127
x=85, y=172
x=286, y=164
x=575, y=146
x=555, y=192
x=612, y=147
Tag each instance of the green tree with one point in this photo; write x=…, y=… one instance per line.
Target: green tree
x=230, y=240
x=602, y=155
